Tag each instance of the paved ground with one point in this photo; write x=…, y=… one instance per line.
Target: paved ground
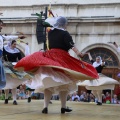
x=81, y=111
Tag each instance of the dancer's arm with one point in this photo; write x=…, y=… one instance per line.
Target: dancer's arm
x=8, y=38
x=79, y=54
x=90, y=57
x=115, y=44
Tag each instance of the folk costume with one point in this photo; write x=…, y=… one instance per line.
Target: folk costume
x=2, y=73
x=55, y=70
x=98, y=85
x=13, y=78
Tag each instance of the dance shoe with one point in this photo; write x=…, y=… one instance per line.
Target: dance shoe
x=6, y=101
x=63, y=110
x=29, y=99
x=15, y=102
x=50, y=102
x=45, y=110
x=99, y=103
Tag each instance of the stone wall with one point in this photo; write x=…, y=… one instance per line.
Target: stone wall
x=90, y=22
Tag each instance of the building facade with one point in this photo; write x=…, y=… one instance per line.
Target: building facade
x=92, y=24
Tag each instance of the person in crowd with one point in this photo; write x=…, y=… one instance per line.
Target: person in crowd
x=75, y=96
x=115, y=100
x=108, y=98
x=82, y=96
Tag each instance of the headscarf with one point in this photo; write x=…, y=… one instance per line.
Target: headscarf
x=9, y=49
x=57, y=22
x=96, y=64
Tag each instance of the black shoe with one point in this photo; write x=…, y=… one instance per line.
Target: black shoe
x=63, y=110
x=15, y=102
x=99, y=103
x=50, y=102
x=6, y=101
x=45, y=110
x=29, y=99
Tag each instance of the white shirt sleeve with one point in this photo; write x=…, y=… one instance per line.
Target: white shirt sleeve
x=118, y=49
x=8, y=38
x=27, y=50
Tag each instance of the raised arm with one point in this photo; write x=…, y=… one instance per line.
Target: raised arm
x=115, y=44
x=90, y=57
x=9, y=38
x=79, y=54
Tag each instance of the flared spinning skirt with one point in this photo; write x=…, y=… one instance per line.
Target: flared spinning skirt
x=59, y=60
x=56, y=69
x=102, y=83
x=14, y=78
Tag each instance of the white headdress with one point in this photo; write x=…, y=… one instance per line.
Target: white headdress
x=96, y=64
x=8, y=48
x=57, y=22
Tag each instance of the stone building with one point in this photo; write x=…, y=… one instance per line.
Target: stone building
x=92, y=24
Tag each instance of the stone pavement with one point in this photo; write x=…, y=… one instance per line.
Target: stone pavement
x=81, y=111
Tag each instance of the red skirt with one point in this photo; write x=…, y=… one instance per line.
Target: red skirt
x=59, y=60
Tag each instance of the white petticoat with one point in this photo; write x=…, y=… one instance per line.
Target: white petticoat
x=13, y=82
x=14, y=78
x=102, y=83
x=50, y=79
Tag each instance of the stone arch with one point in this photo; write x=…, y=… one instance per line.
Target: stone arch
x=107, y=51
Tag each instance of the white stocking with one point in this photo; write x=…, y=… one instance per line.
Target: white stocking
x=94, y=92
x=63, y=98
x=29, y=93
x=14, y=94
x=6, y=93
x=99, y=94
x=47, y=97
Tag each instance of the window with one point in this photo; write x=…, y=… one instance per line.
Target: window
x=110, y=58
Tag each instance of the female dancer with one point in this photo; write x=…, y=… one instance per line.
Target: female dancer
x=98, y=85
x=7, y=38
x=11, y=54
x=55, y=70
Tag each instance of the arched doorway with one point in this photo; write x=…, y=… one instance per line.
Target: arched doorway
x=111, y=60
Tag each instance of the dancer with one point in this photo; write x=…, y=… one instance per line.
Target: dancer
x=11, y=54
x=27, y=52
x=98, y=85
x=55, y=70
x=8, y=38
x=116, y=45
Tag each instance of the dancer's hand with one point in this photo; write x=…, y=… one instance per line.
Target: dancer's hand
x=81, y=54
x=22, y=37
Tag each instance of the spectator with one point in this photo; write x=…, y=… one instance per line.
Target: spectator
x=21, y=93
x=108, y=98
x=115, y=100
x=103, y=98
x=75, y=96
x=26, y=95
x=76, y=100
x=86, y=98
x=92, y=98
x=82, y=96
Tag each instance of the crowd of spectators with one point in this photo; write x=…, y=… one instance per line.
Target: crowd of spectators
x=89, y=97
x=22, y=93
